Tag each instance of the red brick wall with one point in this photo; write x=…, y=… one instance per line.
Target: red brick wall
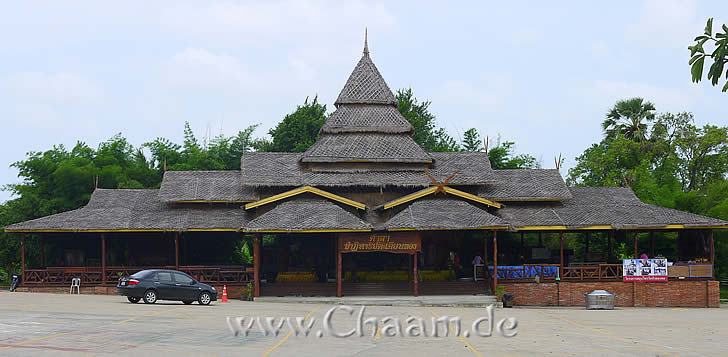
x=677, y=293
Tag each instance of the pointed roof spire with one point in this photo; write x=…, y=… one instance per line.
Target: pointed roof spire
x=365, y=84
x=366, y=42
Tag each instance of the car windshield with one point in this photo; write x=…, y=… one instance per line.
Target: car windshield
x=141, y=274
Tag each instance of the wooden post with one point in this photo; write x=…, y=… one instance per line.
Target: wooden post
x=22, y=258
x=176, y=250
x=495, y=261
x=561, y=254
x=712, y=251
x=635, y=242
x=339, y=268
x=256, y=265
x=103, y=258
x=414, y=273
x=485, y=261
x=42, y=252
x=610, y=236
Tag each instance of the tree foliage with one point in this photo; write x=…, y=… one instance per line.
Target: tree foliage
x=719, y=55
x=298, y=130
x=629, y=118
x=675, y=164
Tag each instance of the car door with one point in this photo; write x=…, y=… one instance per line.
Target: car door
x=183, y=284
x=165, y=285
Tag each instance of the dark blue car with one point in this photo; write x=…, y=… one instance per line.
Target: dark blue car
x=160, y=284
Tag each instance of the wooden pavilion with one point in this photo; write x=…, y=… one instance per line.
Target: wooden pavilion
x=367, y=211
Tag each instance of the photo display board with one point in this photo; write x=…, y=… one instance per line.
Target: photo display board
x=645, y=270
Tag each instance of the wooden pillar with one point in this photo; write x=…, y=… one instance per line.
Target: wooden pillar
x=22, y=258
x=635, y=242
x=103, y=258
x=495, y=261
x=42, y=252
x=712, y=249
x=416, y=282
x=339, y=268
x=256, y=265
x=561, y=254
x=610, y=236
x=485, y=261
x=176, y=250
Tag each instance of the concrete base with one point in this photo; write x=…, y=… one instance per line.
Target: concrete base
x=432, y=300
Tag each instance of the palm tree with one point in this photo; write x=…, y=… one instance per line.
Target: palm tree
x=629, y=117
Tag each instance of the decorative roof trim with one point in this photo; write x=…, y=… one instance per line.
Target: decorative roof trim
x=306, y=189
x=120, y=230
x=411, y=197
x=472, y=197
x=328, y=230
x=439, y=188
x=485, y=228
x=610, y=227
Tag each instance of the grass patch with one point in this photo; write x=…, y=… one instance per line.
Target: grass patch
x=724, y=292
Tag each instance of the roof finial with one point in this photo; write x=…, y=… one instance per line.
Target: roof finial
x=366, y=42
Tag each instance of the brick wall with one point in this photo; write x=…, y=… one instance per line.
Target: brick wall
x=677, y=293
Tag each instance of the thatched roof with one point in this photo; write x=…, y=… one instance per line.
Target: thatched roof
x=366, y=126
x=307, y=214
x=526, y=185
x=356, y=118
x=443, y=212
x=210, y=186
x=597, y=206
x=366, y=85
x=284, y=170
x=366, y=147
x=130, y=210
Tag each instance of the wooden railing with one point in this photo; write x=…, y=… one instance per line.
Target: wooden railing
x=93, y=275
x=592, y=272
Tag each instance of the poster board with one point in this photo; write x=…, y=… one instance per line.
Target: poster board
x=644, y=270
x=478, y=272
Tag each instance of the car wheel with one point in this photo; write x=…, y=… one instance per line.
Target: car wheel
x=150, y=297
x=132, y=299
x=204, y=298
x=187, y=302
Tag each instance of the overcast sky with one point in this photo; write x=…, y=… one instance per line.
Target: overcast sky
x=541, y=73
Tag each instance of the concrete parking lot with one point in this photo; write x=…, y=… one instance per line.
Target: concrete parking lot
x=49, y=324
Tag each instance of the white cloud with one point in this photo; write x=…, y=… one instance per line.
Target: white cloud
x=202, y=69
x=59, y=87
x=671, y=23
x=259, y=21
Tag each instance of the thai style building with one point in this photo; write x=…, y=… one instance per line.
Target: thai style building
x=367, y=211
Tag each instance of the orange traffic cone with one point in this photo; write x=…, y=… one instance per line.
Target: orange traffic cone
x=224, y=293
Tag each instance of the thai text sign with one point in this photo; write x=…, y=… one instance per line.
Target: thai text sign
x=644, y=270
x=409, y=244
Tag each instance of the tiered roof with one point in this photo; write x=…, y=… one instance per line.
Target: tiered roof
x=365, y=146
x=366, y=126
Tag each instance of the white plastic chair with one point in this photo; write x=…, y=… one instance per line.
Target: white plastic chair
x=75, y=283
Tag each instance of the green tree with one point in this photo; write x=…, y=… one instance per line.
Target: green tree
x=426, y=132
x=628, y=118
x=298, y=130
x=719, y=55
x=502, y=156
x=472, y=141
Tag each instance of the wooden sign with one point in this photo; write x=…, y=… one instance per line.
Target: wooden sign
x=380, y=242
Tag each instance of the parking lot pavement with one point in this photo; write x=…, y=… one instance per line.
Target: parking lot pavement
x=49, y=324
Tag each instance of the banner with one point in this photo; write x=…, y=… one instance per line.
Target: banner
x=644, y=270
